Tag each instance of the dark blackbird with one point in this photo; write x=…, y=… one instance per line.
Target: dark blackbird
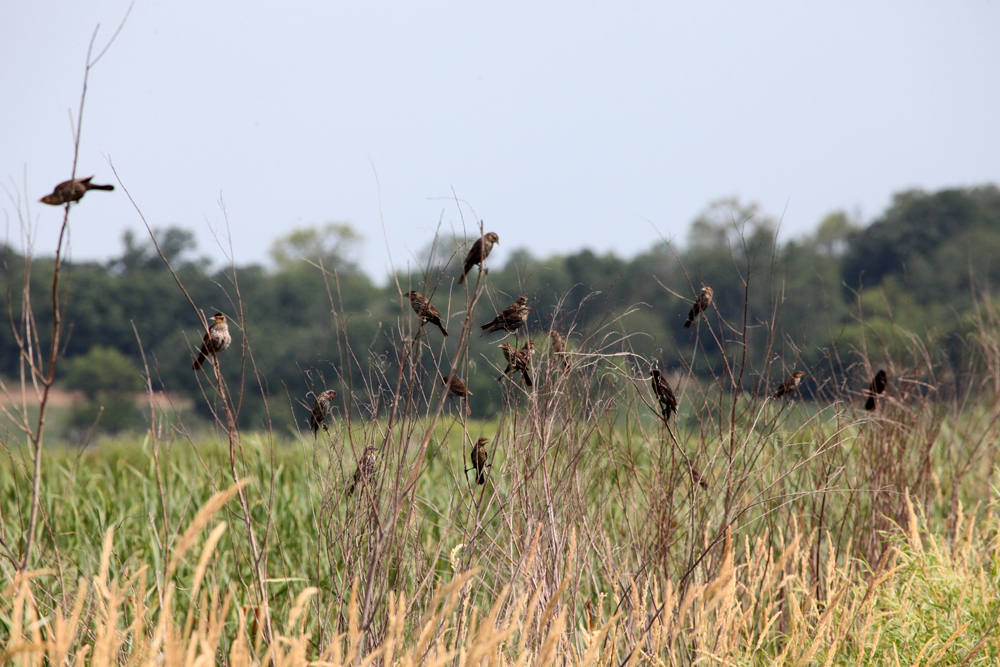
x=321, y=406
x=479, y=456
x=366, y=469
x=479, y=251
x=875, y=389
x=216, y=340
x=518, y=360
x=699, y=306
x=559, y=348
x=664, y=394
x=425, y=310
x=458, y=389
x=511, y=319
x=789, y=386
x=74, y=190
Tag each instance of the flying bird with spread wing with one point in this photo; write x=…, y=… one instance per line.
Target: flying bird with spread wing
x=69, y=191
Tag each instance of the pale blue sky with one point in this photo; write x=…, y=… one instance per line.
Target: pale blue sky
x=563, y=125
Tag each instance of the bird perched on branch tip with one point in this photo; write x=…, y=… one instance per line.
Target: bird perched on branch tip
x=699, y=306
x=216, y=340
x=425, y=310
x=321, y=406
x=789, y=386
x=478, y=253
x=512, y=318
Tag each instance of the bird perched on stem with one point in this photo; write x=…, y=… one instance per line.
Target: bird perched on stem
x=458, y=390
x=789, y=386
x=699, y=306
x=216, y=340
x=321, y=406
x=74, y=190
x=698, y=478
x=479, y=456
x=511, y=319
x=875, y=389
x=367, y=467
x=518, y=360
x=479, y=251
x=559, y=348
x=425, y=310
x=664, y=394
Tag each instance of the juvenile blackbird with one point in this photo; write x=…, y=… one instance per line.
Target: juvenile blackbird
x=321, y=406
x=457, y=389
x=425, y=310
x=698, y=478
x=511, y=319
x=74, y=190
x=518, y=360
x=699, y=306
x=479, y=251
x=216, y=340
x=789, y=386
x=664, y=394
x=875, y=389
x=479, y=456
x=559, y=348
x=366, y=469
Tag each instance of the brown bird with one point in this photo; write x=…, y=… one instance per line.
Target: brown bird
x=698, y=478
x=664, y=394
x=74, y=190
x=789, y=386
x=479, y=456
x=511, y=319
x=367, y=467
x=559, y=348
x=425, y=310
x=699, y=306
x=216, y=340
x=457, y=389
x=479, y=251
x=875, y=389
x=320, y=407
x=518, y=360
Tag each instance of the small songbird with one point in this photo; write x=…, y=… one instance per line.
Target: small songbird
x=511, y=319
x=699, y=306
x=789, y=386
x=518, y=360
x=664, y=394
x=74, y=190
x=479, y=456
x=875, y=389
x=479, y=251
x=698, y=478
x=425, y=310
x=458, y=390
x=367, y=467
x=321, y=406
x=559, y=348
x=216, y=340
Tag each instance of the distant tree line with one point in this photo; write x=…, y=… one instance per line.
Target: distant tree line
x=314, y=319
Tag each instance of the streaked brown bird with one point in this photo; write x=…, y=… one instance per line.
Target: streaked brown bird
x=216, y=340
x=479, y=251
x=789, y=386
x=875, y=389
x=458, y=390
x=518, y=360
x=479, y=457
x=511, y=319
x=664, y=394
x=698, y=478
x=74, y=190
x=559, y=348
x=367, y=468
x=425, y=310
x=699, y=306
x=321, y=406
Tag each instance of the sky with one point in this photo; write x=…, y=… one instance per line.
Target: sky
x=562, y=125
